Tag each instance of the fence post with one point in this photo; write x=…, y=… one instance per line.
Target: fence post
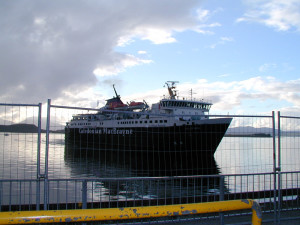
x=38, y=192
x=279, y=166
x=274, y=165
x=222, y=187
x=46, y=185
x=84, y=194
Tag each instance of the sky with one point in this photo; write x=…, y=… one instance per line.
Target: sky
x=243, y=55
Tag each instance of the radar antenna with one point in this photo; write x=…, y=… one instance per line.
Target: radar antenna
x=171, y=86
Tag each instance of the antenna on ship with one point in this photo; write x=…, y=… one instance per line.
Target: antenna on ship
x=171, y=86
x=191, y=92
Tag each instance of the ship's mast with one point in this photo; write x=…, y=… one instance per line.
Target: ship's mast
x=191, y=93
x=117, y=96
x=171, y=86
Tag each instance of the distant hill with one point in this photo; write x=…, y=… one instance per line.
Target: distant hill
x=23, y=128
x=249, y=131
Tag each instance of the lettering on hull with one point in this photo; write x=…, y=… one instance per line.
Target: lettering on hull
x=106, y=131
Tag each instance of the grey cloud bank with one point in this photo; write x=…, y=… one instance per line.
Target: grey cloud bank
x=50, y=47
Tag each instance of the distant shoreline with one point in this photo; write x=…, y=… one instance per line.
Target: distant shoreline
x=24, y=128
x=250, y=135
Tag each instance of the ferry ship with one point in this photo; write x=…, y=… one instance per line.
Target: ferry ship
x=174, y=130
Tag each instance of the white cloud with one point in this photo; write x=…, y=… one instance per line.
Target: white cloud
x=229, y=96
x=267, y=67
x=203, y=28
x=155, y=35
x=282, y=15
x=224, y=75
x=127, y=61
x=222, y=41
x=226, y=39
x=142, y=52
x=202, y=14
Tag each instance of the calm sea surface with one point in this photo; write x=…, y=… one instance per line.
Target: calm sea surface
x=235, y=155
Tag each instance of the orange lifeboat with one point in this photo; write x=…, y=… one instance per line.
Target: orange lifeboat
x=136, y=105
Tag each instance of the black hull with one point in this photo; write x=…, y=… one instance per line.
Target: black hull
x=176, y=148
x=201, y=139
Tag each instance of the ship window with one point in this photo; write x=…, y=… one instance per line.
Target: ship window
x=145, y=121
x=150, y=121
x=165, y=121
x=160, y=121
x=155, y=121
x=141, y=121
x=136, y=121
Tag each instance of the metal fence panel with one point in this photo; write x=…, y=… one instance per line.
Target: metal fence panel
x=254, y=160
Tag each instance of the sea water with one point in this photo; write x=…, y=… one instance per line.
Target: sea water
x=234, y=156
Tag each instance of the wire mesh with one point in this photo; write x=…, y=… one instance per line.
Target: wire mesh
x=79, y=175
x=19, y=141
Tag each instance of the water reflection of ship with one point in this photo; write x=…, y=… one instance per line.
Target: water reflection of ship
x=140, y=164
x=94, y=164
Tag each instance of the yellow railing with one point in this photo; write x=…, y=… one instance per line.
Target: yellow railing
x=85, y=215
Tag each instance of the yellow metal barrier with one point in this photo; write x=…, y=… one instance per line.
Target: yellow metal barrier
x=85, y=215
